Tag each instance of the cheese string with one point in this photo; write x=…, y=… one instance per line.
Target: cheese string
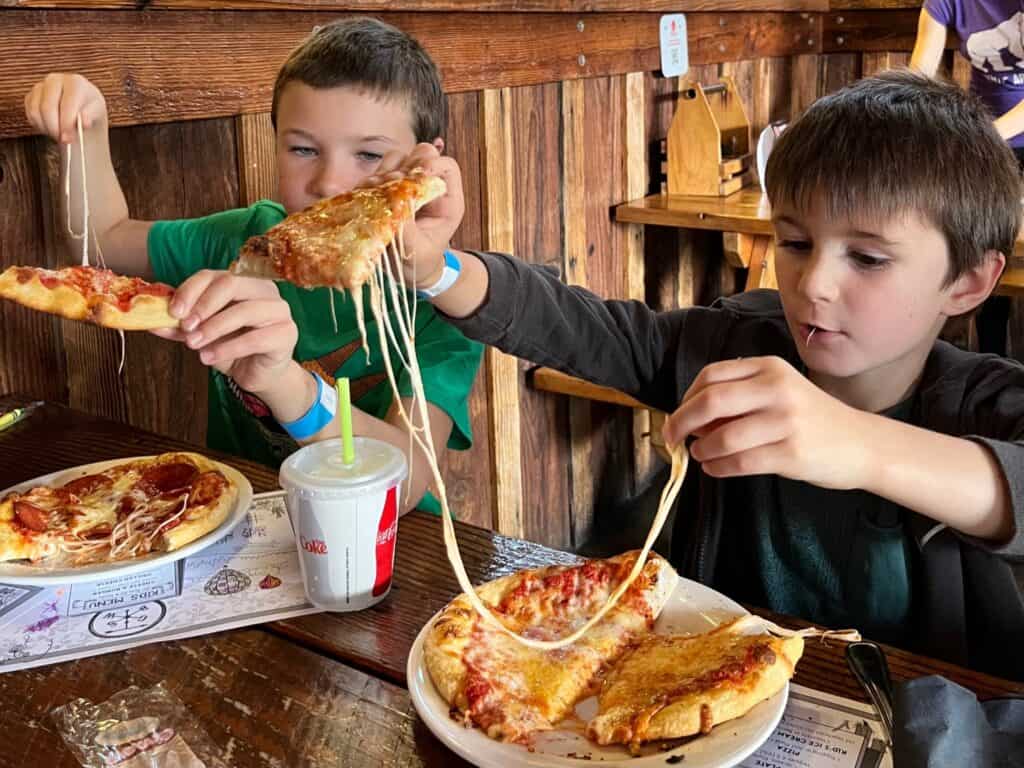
x=84, y=234
x=384, y=285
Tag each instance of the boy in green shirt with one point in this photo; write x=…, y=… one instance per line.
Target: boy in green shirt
x=353, y=91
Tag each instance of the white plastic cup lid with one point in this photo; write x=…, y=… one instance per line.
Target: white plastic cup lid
x=317, y=470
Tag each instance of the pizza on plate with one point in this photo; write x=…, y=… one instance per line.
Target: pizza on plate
x=127, y=510
x=92, y=294
x=512, y=691
x=671, y=686
x=337, y=242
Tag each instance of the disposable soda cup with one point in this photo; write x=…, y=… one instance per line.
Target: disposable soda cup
x=345, y=519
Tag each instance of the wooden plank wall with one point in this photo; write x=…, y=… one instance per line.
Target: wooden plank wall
x=545, y=153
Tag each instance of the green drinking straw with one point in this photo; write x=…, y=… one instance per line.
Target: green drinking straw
x=348, y=449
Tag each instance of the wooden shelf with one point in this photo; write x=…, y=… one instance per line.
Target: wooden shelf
x=1012, y=283
x=748, y=212
x=550, y=380
x=745, y=211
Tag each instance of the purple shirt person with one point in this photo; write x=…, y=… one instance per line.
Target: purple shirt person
x=991, y=36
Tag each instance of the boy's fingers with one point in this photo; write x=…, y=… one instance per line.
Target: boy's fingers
x=424, y=156
x=92, y=112
x=32, y=109
x=209, y=291
x=188, y=292
x=49, y=107
x=271, y=341
x=726, y=370
x=763, y=460
x=724, y=400
x=391, y=162
x=256, y=313
x=174, y=334
x=739, y=435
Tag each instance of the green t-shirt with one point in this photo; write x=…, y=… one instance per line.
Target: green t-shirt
x=239, y=422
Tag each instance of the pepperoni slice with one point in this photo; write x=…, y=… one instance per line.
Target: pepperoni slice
x=207, y=488
x=164, y=478
x=83, y=486
x=101, y=531
x=31, y=516
x=126, y=508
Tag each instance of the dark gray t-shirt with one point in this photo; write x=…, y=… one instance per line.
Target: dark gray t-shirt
x=840, y=558
x=964, y=602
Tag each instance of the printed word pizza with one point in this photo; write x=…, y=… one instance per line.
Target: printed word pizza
x=92, y=294
x=128, y=510
x=649, y=686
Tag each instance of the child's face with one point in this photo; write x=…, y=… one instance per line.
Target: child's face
x=330, y=139
x=872, y=292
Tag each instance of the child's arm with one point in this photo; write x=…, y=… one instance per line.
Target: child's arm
x=52, y=108
x=928, y=49
x=1011, y=123
x=529, y=312
x=761, y=416
x=294, y=392
x=929, y=45
x=242, y=327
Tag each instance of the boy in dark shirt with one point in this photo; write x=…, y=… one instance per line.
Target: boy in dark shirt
x=849, y=467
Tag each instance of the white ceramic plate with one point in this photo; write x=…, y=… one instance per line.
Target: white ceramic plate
x=23, y=573
x=692, y=608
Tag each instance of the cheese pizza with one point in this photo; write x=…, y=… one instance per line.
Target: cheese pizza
x=512, y=691
x=127, y=510
x=671, y=686
x=92, y=294
x=337, y=242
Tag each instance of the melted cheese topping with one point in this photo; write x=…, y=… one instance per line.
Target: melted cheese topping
x=114, y=515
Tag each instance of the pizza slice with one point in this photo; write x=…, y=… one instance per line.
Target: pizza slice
x=336, y=242
x=512, y=691
x=127, y=510
x=671, y=686
x=92, y=294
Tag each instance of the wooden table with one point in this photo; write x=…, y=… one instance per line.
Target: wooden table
x=326, y=689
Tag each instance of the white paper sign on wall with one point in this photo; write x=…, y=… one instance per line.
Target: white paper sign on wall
x=675, y=53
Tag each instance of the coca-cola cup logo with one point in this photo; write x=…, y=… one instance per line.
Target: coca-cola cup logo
x=386, y=530
x=314, y=546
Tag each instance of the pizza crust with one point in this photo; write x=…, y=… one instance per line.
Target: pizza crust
x=450, y=635
x=670, y=687
x=146, y=312
x=202, y=520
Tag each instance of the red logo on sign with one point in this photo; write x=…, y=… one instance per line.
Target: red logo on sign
x=314, y=546
x=386, y=531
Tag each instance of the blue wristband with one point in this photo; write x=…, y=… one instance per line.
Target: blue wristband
x=450, y=273
x=319, y=415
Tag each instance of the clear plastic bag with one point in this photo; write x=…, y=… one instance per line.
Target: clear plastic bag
x=135, y=728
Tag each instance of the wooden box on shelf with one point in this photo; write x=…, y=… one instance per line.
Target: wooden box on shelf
x=708, y=150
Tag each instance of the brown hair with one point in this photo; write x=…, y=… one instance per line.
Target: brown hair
x=373, y=56
x=899, y=143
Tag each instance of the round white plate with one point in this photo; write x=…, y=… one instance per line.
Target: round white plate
x=692, y=608
x=22, y=573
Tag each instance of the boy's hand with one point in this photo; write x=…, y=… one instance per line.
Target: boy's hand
x=55, y=102
x=239, y=325
x=427, y=237
x=759, y=415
